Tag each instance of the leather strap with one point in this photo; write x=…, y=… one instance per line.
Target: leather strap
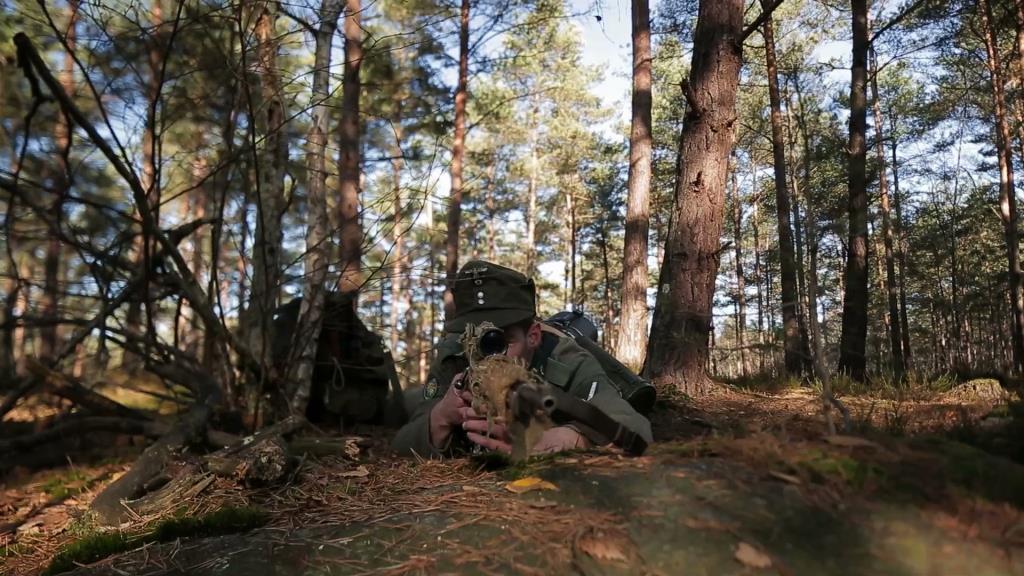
x=597, y=426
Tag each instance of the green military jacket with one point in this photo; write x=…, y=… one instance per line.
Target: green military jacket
x=559, y=360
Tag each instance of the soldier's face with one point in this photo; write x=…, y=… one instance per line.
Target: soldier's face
x=522, y=343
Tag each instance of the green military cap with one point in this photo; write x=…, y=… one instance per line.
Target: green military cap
x=484, y=291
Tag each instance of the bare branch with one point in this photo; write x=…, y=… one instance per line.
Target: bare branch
x=759, y=21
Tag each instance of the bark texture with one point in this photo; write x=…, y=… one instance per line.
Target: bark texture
x=631, y=343
x=1007, y=192
x=678, y=349
x=892, y=294
x=790, y=297
x=266, y=250
x=458, y=157
x=855, y=303
x=349, y=164
x=317, y=229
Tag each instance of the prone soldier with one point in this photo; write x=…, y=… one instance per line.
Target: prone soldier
x=445, y=423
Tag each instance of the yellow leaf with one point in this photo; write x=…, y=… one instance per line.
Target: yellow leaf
x=752, y=557
x=528, y=484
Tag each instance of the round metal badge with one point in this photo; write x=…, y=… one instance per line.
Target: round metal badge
x=431, y=389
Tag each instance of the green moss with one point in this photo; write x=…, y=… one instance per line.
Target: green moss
x=65, y=485
x=95, y=546
x=90, y=549
x=223, y=521
x=849, y=470
x=993, y=477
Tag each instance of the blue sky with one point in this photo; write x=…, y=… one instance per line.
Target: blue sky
x=607, y=45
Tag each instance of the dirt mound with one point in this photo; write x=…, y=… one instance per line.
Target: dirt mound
x=980, y=390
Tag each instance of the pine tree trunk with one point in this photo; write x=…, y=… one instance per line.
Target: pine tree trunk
x=199, y=199
x=609, y=312
x=149, y=180
x=531, y=191
x=632, y=339
x=7, y=333
x=570, y=247
x=790, y=295
x=811, y=226
x=318, y=251
x=799, y=238
x=23, y=297
x=1007, y=193
x=397, y=232
x=492, y=237
x=895, y=326
x=458, y=157
x=855, y=306
x=678, y=349
x=350, y=161
x=901, y=252
x=741, y=288
x=758, y=276
x=266, y=248
x=62, y=139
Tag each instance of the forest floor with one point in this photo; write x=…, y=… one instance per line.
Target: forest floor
x=742, y=482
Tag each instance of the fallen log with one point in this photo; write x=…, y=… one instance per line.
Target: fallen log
x=262, y=463
x=76, y=425
x=67, y=388
x=109, y=504
x=345, y=447
x=260, y=459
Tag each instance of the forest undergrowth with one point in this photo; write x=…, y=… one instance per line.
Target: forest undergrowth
x=926, y=442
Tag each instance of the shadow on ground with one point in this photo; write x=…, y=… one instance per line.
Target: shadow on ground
x=679, y=510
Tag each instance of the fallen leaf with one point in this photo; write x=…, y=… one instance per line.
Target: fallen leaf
x=785, y=477
x=603, y=547
x=528, y=484
x=360, y=472
x=752, y=557
x=679, y=474
x=352, y=449
x=472, y=489
x=850, y=442
x=541, y=504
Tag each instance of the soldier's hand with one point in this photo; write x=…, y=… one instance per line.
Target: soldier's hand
x=558, y=439
x=498, y=439
x=449, y=412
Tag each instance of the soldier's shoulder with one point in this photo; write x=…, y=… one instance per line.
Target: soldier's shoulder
x=568, y=351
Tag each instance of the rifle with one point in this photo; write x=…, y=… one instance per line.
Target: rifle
x=504, y=389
